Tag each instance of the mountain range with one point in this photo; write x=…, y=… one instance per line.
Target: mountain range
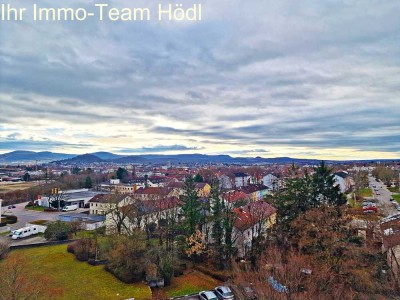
x=98, y=157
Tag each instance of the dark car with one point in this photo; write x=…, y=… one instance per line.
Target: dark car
x=224, y=293
x=11, y=206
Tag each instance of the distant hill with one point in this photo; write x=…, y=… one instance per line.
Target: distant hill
x=106, y=155
x=32, y=157
x=81, y=159
x=98, y=157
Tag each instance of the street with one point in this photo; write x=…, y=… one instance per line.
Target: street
x=382, y=195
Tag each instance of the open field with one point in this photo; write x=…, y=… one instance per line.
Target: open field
x=79, y=280
x=15, y=186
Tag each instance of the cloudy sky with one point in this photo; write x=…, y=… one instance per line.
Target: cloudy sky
x=300, y=78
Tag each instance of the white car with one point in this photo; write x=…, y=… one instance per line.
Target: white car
x=207, y=295
x=224, y=293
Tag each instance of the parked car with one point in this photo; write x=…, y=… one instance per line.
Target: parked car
x=11, y=206
x=248, y=292
x=224, y=293
x=70, y=207
x=207, y=295
x=369, y=209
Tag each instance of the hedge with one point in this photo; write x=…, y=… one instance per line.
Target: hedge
x=11, y=219
x=3, y=222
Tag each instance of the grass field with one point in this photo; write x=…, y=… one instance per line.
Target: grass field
x=366, y=192
x=190, y=283
x=393, y=189
x=396, y=197
x=15, y=186
x=37, y=208
x=79, y=280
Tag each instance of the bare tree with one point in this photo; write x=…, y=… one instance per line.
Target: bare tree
x=17, y=282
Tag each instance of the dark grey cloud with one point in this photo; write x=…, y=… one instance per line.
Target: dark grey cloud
x=12, y=144
x=287, y=73
x=158, y=149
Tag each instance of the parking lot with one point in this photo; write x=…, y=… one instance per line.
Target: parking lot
x=25, y=216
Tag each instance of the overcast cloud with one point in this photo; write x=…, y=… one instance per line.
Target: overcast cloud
x=263, y=77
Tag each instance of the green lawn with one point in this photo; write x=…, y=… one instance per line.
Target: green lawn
x=80, y=280
x=393, y=189
x=354, y=204
x=365, y=192
x=38, y=208
x=396, y=197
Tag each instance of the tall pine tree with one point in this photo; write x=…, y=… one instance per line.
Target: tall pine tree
x=191, y=207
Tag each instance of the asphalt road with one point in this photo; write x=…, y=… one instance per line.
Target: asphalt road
x=383, y=196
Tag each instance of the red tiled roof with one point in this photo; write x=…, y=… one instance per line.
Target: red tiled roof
x=105, y=198
x=253, y=188
x=234, y=196
x=247, y=216
x=162, y=191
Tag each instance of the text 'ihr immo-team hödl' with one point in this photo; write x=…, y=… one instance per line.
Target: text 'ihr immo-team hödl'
x=103, y=12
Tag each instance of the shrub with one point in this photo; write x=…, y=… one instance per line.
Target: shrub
x=30, y=204
x=11, y=219
x=4, y=247
x=71, y=248
x=85, y=249
x=50, y=209
x=126, y=257
x=3, y=222
x=94, y=262
x=57, y=231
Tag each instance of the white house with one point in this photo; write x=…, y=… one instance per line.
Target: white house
x=241, y=179
x=271, y=181
x=343, y=180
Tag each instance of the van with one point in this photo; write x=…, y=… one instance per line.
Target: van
x=24, y=232
x=70, y=207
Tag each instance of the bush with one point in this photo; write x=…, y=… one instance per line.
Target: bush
x=50, y=209
x=94, y=262
x=3, y=222
x=71, y=248
x=85, y=249
x=57, y=231
x=11, y=219
x=30, y=204
x=126, y=257
x=4, y=247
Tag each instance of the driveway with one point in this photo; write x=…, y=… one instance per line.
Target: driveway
x=383, y=196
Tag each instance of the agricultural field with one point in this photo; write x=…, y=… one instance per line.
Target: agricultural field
x=16, y=186
x=78, y=280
